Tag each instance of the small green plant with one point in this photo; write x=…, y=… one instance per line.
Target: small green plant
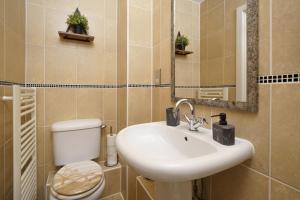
x=181, y=41
x=76, y=19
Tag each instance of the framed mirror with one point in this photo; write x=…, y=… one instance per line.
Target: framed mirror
x=215, y=52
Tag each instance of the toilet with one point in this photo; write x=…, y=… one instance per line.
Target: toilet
x=75, y=144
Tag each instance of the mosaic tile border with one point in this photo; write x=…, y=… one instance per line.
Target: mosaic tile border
x=277, y=79
x=263, y=79
x=54, y=85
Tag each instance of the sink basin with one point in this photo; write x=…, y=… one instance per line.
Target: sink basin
x=175, y=154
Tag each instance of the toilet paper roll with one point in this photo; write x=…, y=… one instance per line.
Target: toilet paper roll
x=111, y=140
x=112, y=156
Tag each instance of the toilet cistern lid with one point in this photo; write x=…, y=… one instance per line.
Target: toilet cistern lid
x=77, y=178
x=73, y=125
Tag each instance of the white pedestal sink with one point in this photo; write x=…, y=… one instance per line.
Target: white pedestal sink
x=173, y=156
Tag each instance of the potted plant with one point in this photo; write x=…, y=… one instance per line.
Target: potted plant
x=181, y=42
x=77, y=23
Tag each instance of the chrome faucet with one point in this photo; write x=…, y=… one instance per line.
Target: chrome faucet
x=193, y=122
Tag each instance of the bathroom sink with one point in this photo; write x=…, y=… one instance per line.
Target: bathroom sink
x=175, y=154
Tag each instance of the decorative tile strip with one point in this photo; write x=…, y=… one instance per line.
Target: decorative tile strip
x=279, y=79
x=49, y=85
x=263, y=79
x=9, y=83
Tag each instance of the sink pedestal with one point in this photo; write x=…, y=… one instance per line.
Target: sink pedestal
x=173, y=191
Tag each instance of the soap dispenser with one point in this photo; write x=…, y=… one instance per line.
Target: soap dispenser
x=222, y=132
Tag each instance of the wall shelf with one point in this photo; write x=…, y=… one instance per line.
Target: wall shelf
x=75, y=36
x=183, y=52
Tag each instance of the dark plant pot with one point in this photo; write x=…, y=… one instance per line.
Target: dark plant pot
x=180, y=47
x=78, y=29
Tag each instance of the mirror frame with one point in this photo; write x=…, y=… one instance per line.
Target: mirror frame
x=252, y=64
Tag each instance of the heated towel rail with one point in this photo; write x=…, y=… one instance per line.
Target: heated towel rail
x=24, y=142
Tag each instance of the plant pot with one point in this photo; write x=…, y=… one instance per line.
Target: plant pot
x=180, y=47
x=78, y=29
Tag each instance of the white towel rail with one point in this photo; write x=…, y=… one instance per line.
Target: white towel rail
x=24, y=142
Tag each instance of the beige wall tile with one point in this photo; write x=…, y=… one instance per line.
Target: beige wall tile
x=15, y=16
x=110, y=10
x=156, y=23
x=285, y=138
x=90, y=67
x=110, y=104
x=285, y=37
x=139, y=26
x=112, y=182
x=35, y=25
x=35, y=66
x=244, y=184
x=2, y=9
x=215, y=18
x=49, y=157
x=145, y=4
x=264, y=37
x=90, y=103
x=215, y=72
x=60, y=65
x=140, y=70
x=2, y=170
x=41, y=183
x=96, y=7
x=111, y=35
x=121, y=108
x=229, y=71
x=215, y=45
x=165, y=61
x=8, y=170
x=40, y=148
x=165, y=18
x=1, y=117
x=139, y=105
x=280, y=191
x=213, y=3
x=141, y=193
x=131, y=183
x=14, y=48
x=8, y=113
x=110, y=68
x=40, y=99
x=2, y=72
x=60, y=105
x=56, y=4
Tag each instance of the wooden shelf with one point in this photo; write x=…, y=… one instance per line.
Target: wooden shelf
x=75, y=36
x=183, y=52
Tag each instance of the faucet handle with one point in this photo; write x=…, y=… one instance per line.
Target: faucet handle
x=194, y=122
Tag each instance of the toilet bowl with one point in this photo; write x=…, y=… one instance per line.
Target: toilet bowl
x=75, y=144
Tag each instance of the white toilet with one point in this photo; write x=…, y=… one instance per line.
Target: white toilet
x=75, y=144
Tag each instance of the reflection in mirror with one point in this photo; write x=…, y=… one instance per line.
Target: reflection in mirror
x=211, y=49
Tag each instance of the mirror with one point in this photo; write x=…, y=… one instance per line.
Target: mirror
x=214, y=60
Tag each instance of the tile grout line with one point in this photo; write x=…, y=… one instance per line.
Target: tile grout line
x=270, y=98
x=127, y=79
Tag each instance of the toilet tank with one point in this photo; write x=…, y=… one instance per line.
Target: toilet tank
x=76, y=140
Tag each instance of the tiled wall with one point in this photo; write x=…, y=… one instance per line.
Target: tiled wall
x=273, y=171
x=54, y=62
x=140, y=45
x=187, y=21
x=12, y=68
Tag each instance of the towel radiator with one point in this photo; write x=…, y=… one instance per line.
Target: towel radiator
x=24, y=142
x=214, y=93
